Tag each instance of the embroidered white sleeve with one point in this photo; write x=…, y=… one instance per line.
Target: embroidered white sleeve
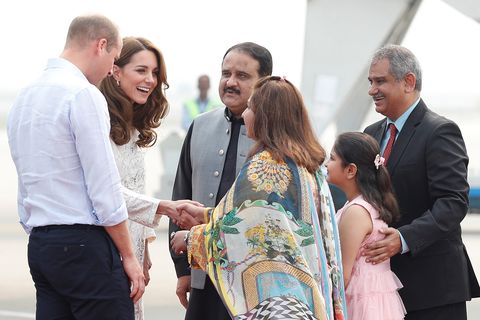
x=131, y=166
x=141, y=208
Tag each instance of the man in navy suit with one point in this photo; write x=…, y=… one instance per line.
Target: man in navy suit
x=428, y=164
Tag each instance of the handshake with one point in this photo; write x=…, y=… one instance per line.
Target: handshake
x=185, y=214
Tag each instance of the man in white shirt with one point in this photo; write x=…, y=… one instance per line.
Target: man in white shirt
x=69, y=197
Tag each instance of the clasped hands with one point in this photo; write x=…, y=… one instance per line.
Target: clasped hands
x=174, y=210
x=189, y=215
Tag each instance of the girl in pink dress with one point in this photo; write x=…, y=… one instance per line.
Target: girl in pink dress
x=356, y=167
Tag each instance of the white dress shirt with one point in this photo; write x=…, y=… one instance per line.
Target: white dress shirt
x=58, y=132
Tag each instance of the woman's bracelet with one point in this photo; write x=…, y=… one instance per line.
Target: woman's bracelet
x=185, y=238
x=206, y=215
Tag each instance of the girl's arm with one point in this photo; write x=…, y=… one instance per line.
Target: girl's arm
x=354, y=225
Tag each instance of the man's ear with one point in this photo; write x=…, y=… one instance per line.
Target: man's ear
x=116, y=72
x=102, y=45
x=351, y=170
x=410, y=82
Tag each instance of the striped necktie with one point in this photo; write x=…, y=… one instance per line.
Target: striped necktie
x=391, y=141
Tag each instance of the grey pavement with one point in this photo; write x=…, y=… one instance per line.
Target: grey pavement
x=17, y=294
x=17, y=298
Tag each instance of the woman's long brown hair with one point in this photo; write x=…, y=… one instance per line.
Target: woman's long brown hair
x=282, y=125
x=123, y=115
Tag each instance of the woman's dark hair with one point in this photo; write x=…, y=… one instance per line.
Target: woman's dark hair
x=145, y=118
x=374, y=183
x=282, y=125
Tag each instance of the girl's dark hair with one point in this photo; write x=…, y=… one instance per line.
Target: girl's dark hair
x=145, y=118
x=282, y=125
x=374, y=184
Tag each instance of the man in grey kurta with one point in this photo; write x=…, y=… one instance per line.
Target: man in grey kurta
x=214, y=150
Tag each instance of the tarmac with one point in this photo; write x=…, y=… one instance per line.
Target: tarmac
x=17, y=297
x=17, y=294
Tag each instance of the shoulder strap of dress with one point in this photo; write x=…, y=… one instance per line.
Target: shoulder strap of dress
x=367, y=206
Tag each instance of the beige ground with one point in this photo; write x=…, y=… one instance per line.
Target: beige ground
x=17, y=294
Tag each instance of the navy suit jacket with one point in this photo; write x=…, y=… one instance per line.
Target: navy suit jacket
x=428, y=167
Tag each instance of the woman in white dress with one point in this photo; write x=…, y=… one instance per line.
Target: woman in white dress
x=135, y=94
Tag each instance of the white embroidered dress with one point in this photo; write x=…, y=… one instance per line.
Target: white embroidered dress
x=130, y=160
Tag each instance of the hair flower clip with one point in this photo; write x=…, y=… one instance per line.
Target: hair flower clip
x=379, y=161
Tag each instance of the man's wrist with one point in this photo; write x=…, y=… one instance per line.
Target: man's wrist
x=403, y=244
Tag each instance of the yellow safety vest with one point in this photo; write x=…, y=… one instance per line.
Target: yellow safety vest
x=194, y=109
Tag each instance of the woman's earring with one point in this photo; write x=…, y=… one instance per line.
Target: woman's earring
x=118, y=83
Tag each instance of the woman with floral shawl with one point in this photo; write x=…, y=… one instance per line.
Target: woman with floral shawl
x=271, y=245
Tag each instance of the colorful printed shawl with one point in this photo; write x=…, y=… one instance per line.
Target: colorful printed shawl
x=271, y=246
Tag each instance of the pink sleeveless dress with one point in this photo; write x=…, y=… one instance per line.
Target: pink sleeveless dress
x=372, y=293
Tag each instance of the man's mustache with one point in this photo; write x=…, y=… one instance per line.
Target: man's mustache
x=231, y=90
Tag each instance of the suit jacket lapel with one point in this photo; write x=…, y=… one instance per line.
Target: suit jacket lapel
x=406, y=135
x=378, y=134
